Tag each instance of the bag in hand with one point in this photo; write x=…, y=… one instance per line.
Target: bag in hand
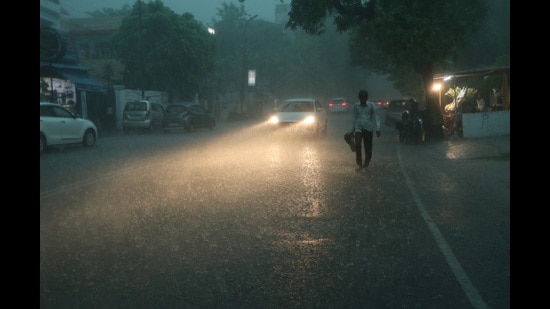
x=348, y=137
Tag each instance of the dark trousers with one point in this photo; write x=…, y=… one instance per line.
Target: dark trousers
x=364, y=137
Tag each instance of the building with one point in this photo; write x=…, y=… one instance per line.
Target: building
x=63, y=78
x=92, y=41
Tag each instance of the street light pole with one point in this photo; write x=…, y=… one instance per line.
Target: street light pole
x=439, y=91
x=437, y=86
x=244, y=74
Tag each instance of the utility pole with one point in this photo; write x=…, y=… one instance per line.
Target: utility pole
x=141, y=53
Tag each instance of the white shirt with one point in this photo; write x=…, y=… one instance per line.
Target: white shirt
x=365, y=117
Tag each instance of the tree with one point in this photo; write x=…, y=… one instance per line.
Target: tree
x=398, y=36
x=164, y=51
x=491, y=45
x=125, y=10
x=287, y=63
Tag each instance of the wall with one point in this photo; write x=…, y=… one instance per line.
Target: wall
x=486, y=124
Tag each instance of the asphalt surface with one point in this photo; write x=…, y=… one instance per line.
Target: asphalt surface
x=454, y=148
x=126, y=235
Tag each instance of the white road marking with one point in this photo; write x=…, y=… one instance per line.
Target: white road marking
x=467, y=286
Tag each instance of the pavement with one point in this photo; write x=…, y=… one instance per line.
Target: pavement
x=497, y=147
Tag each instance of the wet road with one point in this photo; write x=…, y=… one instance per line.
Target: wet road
x=234, y=218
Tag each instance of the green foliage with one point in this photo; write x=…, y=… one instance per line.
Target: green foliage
x=287, y=63
x=453, y=93
x=164, y=51
x=123, y=11
x=420, y=34
x=398, y=35
x=463, y=99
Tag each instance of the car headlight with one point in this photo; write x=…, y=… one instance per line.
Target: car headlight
x=274, y=120
x=309, y=120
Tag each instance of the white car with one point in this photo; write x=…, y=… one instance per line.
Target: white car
x=300, y=116
x=59, y=126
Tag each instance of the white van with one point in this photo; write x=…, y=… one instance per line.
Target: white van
x=142, y=115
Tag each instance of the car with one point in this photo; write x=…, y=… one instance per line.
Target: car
x=336, y=105
x=60, y=126
x=304, y=116
x=359, y=102
x=188, y=116
x=142, y=115
x=379, y=103
x=395, y=108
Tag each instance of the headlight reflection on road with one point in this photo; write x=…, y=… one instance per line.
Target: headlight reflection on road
x=311, y=179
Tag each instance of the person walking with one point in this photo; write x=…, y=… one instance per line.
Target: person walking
x=365, y=122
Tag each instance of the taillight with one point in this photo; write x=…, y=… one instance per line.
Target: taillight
x=330, y=104
x=344, y=103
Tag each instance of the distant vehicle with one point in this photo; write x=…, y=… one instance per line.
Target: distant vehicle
x=304, y=116
x=188, y=116
x=359, y=102
x=411, y=127
x=336, y=105
x=142, y=115
x=379, y=103
x=395, y=109
x=59, y=126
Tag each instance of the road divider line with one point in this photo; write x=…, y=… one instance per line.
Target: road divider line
x=467, y=286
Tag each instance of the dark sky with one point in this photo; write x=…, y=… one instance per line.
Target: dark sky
x=203, y=10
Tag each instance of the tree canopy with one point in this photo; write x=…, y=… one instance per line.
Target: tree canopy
x=401, y=37
x=164, y=51
x=126, y=9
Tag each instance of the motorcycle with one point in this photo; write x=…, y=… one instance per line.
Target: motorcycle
x=411, y=128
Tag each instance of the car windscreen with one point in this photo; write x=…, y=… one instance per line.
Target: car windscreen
x=136, y=106
x=298, y=107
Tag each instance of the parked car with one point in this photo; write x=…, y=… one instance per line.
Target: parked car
x=395, y=109
x=188, y=116
x=300, y=116
x=142, y=115
x=60, y=126
x=336, y=105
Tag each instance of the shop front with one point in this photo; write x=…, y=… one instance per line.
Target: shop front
x=65, y=82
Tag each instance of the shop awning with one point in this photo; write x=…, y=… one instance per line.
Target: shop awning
x=83, y=81
x=78, y=75
x=472, y=73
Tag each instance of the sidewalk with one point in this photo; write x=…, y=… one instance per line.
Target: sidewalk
x=478, y=148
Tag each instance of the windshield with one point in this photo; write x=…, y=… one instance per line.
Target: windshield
x=298, y=107
x=136, y=106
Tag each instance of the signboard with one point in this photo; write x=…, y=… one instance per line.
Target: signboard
x=251, y=77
